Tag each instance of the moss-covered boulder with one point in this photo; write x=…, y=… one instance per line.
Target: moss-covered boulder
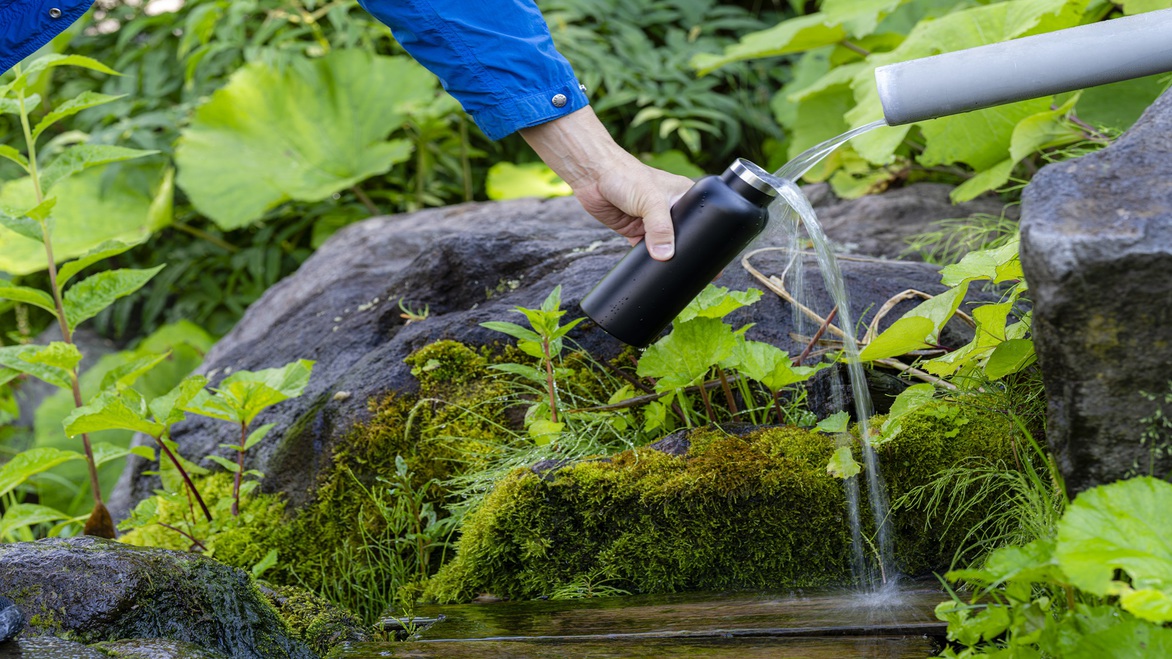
x=154, y=648
x=318, y=622
x=91, y=590
x=734, y=511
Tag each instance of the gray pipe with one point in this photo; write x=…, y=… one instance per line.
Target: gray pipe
x=1030, y=67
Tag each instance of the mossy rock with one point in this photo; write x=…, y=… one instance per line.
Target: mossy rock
x=736, y=511
x=92, y=590
x=154, y=648
x=319, y=623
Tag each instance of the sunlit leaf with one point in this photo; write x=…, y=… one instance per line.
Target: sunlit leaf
x=82, y=101
x=106, y=250
x=29, y=463
x=1010, y=356
x=33, y=296
x=717, y=302
x=835, y=423
x=124, y=375
x=59, y=354
x=506, y=180
x=903, y=336
x=13, y=357
x=544, y=431
x=685, y=355
x=168, y=408
x=112, y=410
x=257, y=435
x=842, y=464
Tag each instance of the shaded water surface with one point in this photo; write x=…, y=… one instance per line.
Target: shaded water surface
x=824, y=623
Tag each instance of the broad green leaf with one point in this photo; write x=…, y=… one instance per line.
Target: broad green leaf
x=230, y=465
x=859, y=17
x=767, y=364
x=84, y=156
x=244, y=394
x=940, y=308
x=59, y=354
x=1131, y=7
x=544, y=431
x=217, y=407
x=301, y=132
x=124, y=375
x=106, y=250
x=842, y=464
x=82, y=101
x=112, y=410
x=88, y=297
x=979, y=139
x=908, y=400
x=998, y=264
x=792, y=36
x=168, y=408
x=1010, y=356
x=23, y=226
x=264, y=564
x=41, y=211
x=553, y=302
x=1033, y=563
x=1147, y=604
x=903, y=336
x=717, y=302
x=104, y=452
x=92, y=208
x=1121, y=526
x=12, y=357
x=29, y=463
x=990, y=179
x=674, y=161
x=33, y=296
x=25, y=515
x=514, y=330
x=54, y=60
x=835, y=423
x=685, y=356
x=257, y=435
x=1128, y=639
x=290, y=379
x=532, y=179
x=9, y=153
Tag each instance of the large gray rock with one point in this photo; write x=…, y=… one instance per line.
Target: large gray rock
x=466, y=264
x=93, y=590
x=1097, y=251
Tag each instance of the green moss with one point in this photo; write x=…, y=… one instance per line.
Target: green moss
x=313, y=620
x=735, y=512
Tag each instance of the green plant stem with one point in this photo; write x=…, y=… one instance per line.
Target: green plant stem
x=366, y=200
x=777, y=406
x=239, y=470
x=707, y=404
x=66, y=335
x=186, y=478
x=854, y=47
x=204, y=235
x=728, y=395
x=553, y=406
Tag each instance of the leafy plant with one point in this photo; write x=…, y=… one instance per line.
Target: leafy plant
x=239, y=398
x=544, y=341
x=832, y=89
x=57, y=362
x=1100, y=587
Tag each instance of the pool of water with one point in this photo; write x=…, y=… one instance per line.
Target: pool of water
x=894, y=622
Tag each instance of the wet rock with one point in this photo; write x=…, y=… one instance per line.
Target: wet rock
x=11, y=619
x=465, y=265
x=1097, y=251
x=94, y=590
x=155, y=648
x=316, y=621
x=829, y=391
x=48, y=647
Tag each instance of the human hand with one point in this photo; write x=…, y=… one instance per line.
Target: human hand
x=616, y=188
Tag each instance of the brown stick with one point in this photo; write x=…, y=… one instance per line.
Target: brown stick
x=183, y=473
x=707, y=404
x=777, y=406
x=366, y=201
x=728, y=395
x=185, y=534
x=817, y=335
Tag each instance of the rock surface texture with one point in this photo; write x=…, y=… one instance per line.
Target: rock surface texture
x=1097, y=251
x=11, y=619
x=465, y=265
x=95, y=590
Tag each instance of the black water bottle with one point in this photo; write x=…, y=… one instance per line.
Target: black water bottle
x=714, y=220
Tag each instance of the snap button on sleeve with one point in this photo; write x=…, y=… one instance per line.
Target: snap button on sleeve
x=559, y=101
x=54, y=13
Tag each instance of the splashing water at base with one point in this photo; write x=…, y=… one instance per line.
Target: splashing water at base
x=785, y=215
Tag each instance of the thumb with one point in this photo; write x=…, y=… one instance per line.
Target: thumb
x=659, y=233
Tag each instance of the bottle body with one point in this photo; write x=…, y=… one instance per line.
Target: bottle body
x=714, y=221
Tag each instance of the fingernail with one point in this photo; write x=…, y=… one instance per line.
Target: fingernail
x=662, y=252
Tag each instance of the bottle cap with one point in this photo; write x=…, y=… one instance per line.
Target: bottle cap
x=758, y=178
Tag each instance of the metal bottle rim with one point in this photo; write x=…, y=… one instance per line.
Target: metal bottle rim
x=751, y=173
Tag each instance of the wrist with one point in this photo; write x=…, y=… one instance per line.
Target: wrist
x=577, y=147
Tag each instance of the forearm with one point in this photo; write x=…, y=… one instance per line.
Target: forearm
x=577, y=147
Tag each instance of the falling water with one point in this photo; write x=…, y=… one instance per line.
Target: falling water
x=783, y=224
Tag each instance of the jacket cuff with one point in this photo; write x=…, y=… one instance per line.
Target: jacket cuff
x=538, y=108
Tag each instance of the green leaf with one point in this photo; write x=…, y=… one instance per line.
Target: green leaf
x=23, y=226
x=979, y=139
x=230, y=465
x=26, y=515
x=842, y=464
x=908, y=400
x=81, y=157
x=674, y=161
x=859, y=17
x=122, y=203
x=88, y=297
x=82, y=101
x=247, y=393
x=903, y=336
x=544, y=431
x=54, y=60
x=514, y=330
x=27, y=295
x=685, y=356
x=940, y=309
x=105, y=452
x=29, y=463
x=527, y=372
x=1119, y=105
x=299, y=132
x=769, y=365
x=264, y=564
x=835, y=423
x=1147, y=604
x=106, y=250
x=998, y=264
x=1010, y=356
x=1129, y=639
x=717, y=302
x=9, y=153
x=257, y=435
x=59, y=354
x=112, y=410
x=124, y=375
x=792, y=36
x=214, y=406
x=41, y=211
x=1121, y=526
x=13, y=357
x=533, y=179
x=168, y=408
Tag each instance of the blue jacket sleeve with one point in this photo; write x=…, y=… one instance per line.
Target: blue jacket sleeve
x=495, y=56
x=26, y=25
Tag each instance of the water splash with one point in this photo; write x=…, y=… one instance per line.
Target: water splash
x=792, y=210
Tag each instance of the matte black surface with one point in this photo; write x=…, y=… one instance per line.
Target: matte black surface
x=713, y=222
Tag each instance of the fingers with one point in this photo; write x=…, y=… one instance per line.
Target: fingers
x=659, y=232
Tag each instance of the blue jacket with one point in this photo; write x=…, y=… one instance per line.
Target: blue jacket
x=495, y=56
